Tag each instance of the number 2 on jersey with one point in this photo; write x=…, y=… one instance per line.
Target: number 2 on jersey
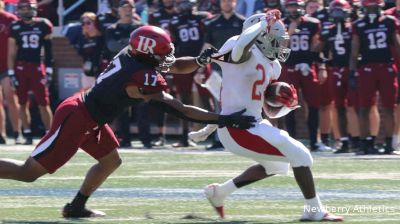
x=256, y=95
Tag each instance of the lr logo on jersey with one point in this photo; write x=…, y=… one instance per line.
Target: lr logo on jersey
x=146, y=45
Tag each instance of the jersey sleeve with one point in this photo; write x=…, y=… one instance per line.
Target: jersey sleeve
x=47, y=27
x=148, y=80
x=13, y=29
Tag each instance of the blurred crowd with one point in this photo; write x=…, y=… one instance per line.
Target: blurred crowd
x=343, y=62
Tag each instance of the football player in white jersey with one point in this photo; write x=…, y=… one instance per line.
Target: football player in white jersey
x=249, y=63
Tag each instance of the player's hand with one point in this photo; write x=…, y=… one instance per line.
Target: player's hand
x=13, y=78
x=353, y=80
x=49, y=77
x=237, y=120
x=322, y=75
x=272, y=16
x=205, y=56
x=289, y=98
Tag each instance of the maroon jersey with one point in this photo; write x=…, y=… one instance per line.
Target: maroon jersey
x=187, y=33
x=300, y=41
x=393, y=12
x=30, y=38
x=338, y=42
x=5, y=20
x=161, y=18
x=375, y=38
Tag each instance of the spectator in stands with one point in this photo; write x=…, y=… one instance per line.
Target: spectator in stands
x=116, y=38
x=272, y=4
x=249, y=7
x=162, y=18
x=211, y=6
x=47, y=9
x=186, y=31
x=5, y=84
x=25, y=43
x=11, y=6
x=313, y=6
x=90, y=49
x=219, y=29
x=376, y=70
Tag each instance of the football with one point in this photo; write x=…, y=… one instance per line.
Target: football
x=273, y=90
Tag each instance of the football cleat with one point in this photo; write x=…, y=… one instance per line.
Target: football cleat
x=215, y=199
x=70, y=212
x=327, y=217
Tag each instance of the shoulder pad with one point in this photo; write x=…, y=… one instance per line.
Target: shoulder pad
x=228, y=46
x=15, y=25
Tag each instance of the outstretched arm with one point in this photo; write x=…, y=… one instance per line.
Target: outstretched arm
x=240, y=51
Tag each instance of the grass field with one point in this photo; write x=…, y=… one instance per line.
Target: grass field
x=165, y=186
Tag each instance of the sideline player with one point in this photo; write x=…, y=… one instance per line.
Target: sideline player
x=5, y=84
x=250, y=62
x=373, y=37
x=25, y=68
x=81, y=121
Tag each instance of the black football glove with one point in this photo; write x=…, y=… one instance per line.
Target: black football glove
x=352, y=80
x=236, y=120
x=13, y=79
x=205, y=56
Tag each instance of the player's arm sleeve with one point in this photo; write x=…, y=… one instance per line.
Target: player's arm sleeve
x=48, y=52
x=246, y=40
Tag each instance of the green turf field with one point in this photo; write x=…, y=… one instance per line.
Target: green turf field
x=165, y=186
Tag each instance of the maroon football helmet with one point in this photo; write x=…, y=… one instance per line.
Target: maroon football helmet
x=153, y=45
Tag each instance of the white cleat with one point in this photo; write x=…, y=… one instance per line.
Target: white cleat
x=321, y=217
x=215, y=198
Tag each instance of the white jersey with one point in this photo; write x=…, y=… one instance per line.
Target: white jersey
x=243, y=85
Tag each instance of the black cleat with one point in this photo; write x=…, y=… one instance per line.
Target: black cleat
x=70, y=212
x=2, y=140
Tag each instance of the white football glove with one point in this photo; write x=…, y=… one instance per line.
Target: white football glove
x=304, y=68
x=202, y=134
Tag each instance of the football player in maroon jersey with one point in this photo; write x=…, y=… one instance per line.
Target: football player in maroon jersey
x=373, y=36
x=28, y=36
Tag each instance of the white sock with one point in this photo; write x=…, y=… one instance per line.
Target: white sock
x=395, y=141
x=314, y=205
x=228, y=187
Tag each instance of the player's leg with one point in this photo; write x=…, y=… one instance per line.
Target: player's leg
x=101, y=145
x=339, y=87
x=325, y=112
x=13, y=108
x=53, y=151
x=367, y=98
x=2, y=118
x=388, y=92
x=41, y=94
x=23, y=72
x=267, y=143
x=353, y=125
x=309, y=85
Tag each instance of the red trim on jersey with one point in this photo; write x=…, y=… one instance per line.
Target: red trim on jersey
x=253, y=142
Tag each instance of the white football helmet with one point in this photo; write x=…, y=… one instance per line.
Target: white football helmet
x=273, y=43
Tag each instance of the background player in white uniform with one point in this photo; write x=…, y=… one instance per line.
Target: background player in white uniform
x=247, y=70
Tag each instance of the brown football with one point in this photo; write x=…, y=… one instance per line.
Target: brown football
x=273, y=90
